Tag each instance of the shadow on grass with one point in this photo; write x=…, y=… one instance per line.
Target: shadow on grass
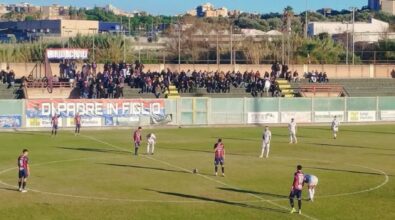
x=220, y=201
x=97, y=150
x=40, y=133
x=206, y=151
x=9, y=189
x=351, y=146
x=349, y=130
x=237, y=139
x=253, y=192
x=346, y=171
x=381, y=154
x=144, y=167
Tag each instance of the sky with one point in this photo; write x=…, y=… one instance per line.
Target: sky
x=173, y=7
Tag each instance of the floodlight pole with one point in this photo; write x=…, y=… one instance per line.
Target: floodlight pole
x=353, y=38
x=306, y=20
x=179, y=45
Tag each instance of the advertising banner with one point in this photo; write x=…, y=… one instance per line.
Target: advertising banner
x=387, y=115
x=322, y=116
x=121, y=121
x=86, y=121
x=10, y=121
x=361, y=116
x=66, y=53
x=41, y=122
x=262, y=117
x=300, y=117
x=92, y=111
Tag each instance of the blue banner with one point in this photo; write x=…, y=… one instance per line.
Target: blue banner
x=10, y=121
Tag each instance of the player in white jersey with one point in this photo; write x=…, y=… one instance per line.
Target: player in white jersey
x=292, y=132
x=335, y=127
x=312, y=182
x=151, y=143
x=266, y=138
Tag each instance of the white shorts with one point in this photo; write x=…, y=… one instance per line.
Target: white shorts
x=313, y=181
x=335, y=129
x=265, y=145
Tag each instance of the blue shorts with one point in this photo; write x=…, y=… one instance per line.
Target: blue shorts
x=55, y=127
x=23, y=174
x=78, y=125
x=219, y=160
x=297, y=193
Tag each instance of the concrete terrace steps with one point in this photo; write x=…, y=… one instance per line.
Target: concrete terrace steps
x=10, y=93
x=286, y=88
x=361, y=87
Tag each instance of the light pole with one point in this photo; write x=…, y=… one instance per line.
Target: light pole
x=179, y=45
x=124, y=45
x=68, y=38
x=348, y=47
x=231, y=44
x=93, y=42
x=306, y=24
x=353, y=33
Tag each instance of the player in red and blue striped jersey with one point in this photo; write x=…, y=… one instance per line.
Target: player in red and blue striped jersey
x=23, y=170
x=296, y=189
x=77, y=122
x=219, y=158
x=137, y=140
x=54, y=123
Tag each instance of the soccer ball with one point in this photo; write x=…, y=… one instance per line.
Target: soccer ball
x=195, y=171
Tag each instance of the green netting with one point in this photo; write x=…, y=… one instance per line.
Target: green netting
x=387, y=103
x=200, y=118
x=262, y=105
x=201, y=105
x=11, y=107
x=171, y=106
x=186, y=104
x=295, y=104
x=328, y=104
x=186, y=118
x=227, y=105
x=361, y=104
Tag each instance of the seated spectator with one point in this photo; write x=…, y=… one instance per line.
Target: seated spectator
x=295, y=76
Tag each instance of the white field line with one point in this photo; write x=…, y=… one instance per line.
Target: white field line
x=260, y=199
x=208, y=178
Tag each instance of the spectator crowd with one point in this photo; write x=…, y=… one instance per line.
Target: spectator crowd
x=7, y=77
x=110, y=82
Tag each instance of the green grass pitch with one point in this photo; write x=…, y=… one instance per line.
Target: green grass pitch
x=95, y=176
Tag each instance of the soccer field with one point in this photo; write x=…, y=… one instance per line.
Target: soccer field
x=95, y=176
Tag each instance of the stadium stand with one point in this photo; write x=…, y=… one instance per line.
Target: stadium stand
x=7, y=92
x=349, y=87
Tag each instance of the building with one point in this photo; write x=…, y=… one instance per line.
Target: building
x=360, y=28
x=234, y=13
x=192, y=12
x=208, y=10
x=388, y=6
x=374, y=5
x=57, y=28
x=54, y=12
x=20, y=7
x=325, y=11
x=109, y=27
x=117, y=11
x=221, y=12
x=202, y=9
x=3, y=9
